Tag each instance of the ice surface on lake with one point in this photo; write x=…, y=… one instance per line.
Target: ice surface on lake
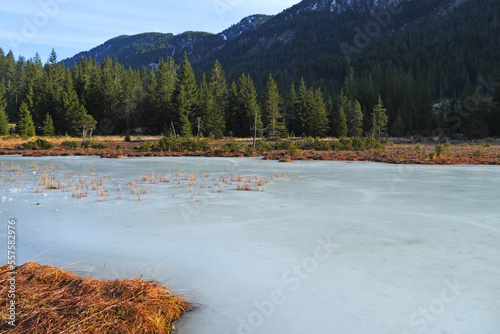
x=335, y=248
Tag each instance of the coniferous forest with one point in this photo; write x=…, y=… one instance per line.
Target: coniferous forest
x=109, y=99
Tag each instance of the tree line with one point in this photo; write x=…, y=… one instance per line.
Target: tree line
x=50, y=99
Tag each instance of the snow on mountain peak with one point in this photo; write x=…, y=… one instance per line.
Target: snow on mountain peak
x=247, y=24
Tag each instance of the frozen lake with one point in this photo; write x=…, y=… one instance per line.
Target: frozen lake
x=325, y=247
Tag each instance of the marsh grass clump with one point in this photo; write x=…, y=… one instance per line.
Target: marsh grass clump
x=179, y=144
x=284, y=145
x=41, y=144
x=309, y=143
x=439, y=149
x=478, y=153
x=250, y=150
x=358, y=144
x=94, y=144
x=346, y=143
x=232, y=147
x=252, y=184
x=51, y=300
x=418, y=149
x=71, y=144
x=293, y=152
x=373, y=143
x=263, y=146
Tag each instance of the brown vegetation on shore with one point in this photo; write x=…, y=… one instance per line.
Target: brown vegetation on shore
x=463, y=154
x=399, y=153
x=51, y=300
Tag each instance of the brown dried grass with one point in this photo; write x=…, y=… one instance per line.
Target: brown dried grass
x=51, y=300
x=18, y=141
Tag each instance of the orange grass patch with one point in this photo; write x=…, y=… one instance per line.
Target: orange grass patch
x=51, y=300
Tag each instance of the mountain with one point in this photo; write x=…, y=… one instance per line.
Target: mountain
x=447, y=43
x=148, y=48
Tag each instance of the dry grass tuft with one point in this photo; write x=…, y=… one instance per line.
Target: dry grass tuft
x=51, y=300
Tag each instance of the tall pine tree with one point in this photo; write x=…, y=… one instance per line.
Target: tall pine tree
x=185, y=98
x=48, y=126
x=25, y=126
x=218, y=87
x=248, y=112
x=231, y=111
x=317, y=121
x=214, y=123
x=53, y=84
x=291, y=110
x=354, y=119
x=339, y=119
x=272, y=110
x=166, y=80
x=379, y=119
x=69, y=108
x=304, y=100
x=150, y=106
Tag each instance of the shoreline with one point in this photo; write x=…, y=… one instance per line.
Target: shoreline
x=348, y=156
x=399, y=153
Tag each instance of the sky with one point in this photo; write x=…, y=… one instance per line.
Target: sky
x=72, y=26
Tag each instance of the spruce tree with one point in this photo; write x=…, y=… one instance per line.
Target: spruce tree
x=368, y=98
x=108, y=92
x=379, y=119
x=33, y=89
x=69, y=107
x=85, y=123
x=166, y=79
x=4, y=120
x=211, y=117
x=303, y=108
x=25, y=126
x=218, y=87
x=214, y=119
x=340, y=119
x=272, y=109
x=48, y=126
x=150, y=106
x=183, y=111
x=248, y=112
x=291, y=110
x=30, y=95
x=354, y=119
x=185, y=97
x=52, y=86
x=231, y=110
x=127, y=102
x=203, y=96
x=317, y=122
